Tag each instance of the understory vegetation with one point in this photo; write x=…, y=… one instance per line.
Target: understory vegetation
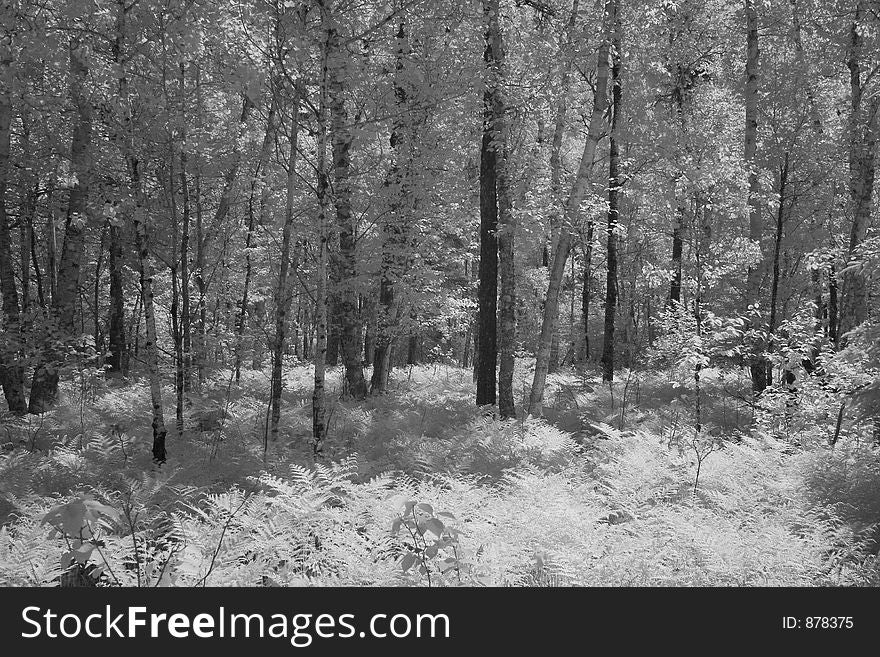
x=604, y=490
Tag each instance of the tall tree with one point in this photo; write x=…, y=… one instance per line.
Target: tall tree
x=11, y=370
x=757, y=360
x=495, y=133
x=341, y=141
x=614, y=184
x=572, y=205
x=44, y=387
x=864, y=132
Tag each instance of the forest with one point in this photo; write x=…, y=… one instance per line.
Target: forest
x=439, y=293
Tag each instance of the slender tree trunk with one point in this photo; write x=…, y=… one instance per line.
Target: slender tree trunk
x=677, y=249
x=319, y=412
x=284, y=290
x=614, y=184
x=199, y=348
x=145, y=270
x=186, y=306
x=265, y=152
x=757, y=361
x=11, y=370
x=44, y=387
x=863, y=135
x=116, y=357
x=487, y=292
x=497, y=131
x=560, y=255
x=586, y=292
x=833, y=333
x=777, y=250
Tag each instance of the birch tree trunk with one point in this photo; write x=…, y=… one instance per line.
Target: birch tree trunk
x=44, y=387
x=572, y=204
x=284, y=290
x=757, y=361
x=395, y=231
x=341, y=139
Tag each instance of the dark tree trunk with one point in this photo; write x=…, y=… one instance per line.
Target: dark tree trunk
x=505, y=237
x=116, y=357
x=614, y=183
x=11, y=370
x=863, y=136
x=586, y=292
x=346, y=293
x=777, y=250
x=487, y=291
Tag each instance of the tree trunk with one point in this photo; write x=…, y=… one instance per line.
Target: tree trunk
x=341, y=138
x=265, y=152
x=677, y=248
x=11, y=370
x=116, y=357
x=560, y=255
x=496, y=129
x=396, y=249
x=145, y=270
x=44, y=387
x=757, y=360
x=586, y=293
x=186, y=309
x=319, y=426
x=614, y=183
x=777, y=250
x=284, y=290
x=862, y=154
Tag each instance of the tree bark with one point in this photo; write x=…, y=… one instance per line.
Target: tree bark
x=265, y=152
x=11, y=370
x=116, y=357
x=497, y=128
x=777, y=250
x=396, y=230
x=341, y=140
x=757, y=360
x=284, y=289
x=563, y=247
x=319, y=412
x=862, y=155
x=487, y=291
x=44, y=387
x=614, y=183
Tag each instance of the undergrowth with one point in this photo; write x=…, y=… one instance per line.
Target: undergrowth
x=421, y=489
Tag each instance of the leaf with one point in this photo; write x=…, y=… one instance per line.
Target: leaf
x=434, y=526
x=67, y=518
x=408, y=561
x=425, y=508
x=445, y=514
x=82, y=553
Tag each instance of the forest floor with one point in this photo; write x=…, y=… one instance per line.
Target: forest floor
x=613, y=486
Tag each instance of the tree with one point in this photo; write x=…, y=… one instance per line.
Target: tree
x=563, y=246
